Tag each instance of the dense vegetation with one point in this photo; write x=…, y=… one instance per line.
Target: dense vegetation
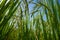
x=18, y=21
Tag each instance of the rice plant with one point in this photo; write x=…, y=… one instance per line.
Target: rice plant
x=29, y=19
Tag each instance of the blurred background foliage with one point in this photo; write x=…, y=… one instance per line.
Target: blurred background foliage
x=29, y=19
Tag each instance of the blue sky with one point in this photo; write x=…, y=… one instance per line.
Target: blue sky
x=31, y=7
x=59, y=1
